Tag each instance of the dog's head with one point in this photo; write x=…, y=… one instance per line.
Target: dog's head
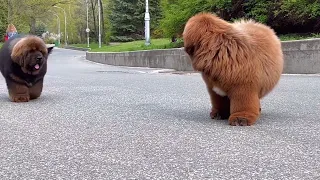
x=201, y=29
x=206, y=37
x=31, y=53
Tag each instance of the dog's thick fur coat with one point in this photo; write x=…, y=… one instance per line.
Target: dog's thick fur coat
x=23, y=64
x=240, y=63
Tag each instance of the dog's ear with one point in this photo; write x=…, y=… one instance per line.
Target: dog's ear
x=50, y=49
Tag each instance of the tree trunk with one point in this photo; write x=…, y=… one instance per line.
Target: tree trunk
x=33, y=25
x=71, y=34
x=9, y=12
x=102, y=23
x=94, y=19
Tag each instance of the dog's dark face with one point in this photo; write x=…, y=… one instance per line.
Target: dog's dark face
x=32, y=61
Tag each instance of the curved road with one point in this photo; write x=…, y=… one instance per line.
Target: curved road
x=102, y=122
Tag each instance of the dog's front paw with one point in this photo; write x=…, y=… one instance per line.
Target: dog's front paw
x=242, y=119
x=239, y=122
x=20, y=98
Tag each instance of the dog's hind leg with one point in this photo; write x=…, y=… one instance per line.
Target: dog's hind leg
x=220, y=106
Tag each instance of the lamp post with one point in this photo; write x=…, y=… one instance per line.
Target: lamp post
x=99, y=23
x=88, y=30
x=58, y=26
x=147, y=24
x=65, y=24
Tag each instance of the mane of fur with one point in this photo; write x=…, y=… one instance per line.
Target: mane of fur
x=27, y=44
x=231, y=52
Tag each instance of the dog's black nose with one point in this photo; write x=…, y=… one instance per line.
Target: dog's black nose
x=39, y=58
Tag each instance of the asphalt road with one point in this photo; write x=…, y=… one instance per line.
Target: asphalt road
x=102, y=122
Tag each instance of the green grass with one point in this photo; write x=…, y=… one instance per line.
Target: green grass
x=132, y=46
x=289, y=37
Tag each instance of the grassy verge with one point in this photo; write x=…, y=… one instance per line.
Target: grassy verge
x=166, y=44
x=133, y=46
x=289, y=37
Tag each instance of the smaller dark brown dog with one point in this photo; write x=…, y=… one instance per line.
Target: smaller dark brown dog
x=23, y=64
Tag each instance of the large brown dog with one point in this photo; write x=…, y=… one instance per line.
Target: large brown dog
x=240, y=63
x=23, y=63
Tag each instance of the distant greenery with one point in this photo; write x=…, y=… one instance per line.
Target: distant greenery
x=123, y=20
x=284, y=16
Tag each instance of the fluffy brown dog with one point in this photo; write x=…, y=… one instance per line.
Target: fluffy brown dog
x=23, y=63
x=240, y=63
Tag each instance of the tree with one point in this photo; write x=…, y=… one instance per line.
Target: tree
x=106, y=21
x=177, y=12
x=104, y=5
x=127, y=18
x=284, y=16
x=33, y=10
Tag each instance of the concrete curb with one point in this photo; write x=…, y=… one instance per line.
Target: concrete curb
x=50, y=45
x=301, y=57
x=174, y=58
x=77, y=48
